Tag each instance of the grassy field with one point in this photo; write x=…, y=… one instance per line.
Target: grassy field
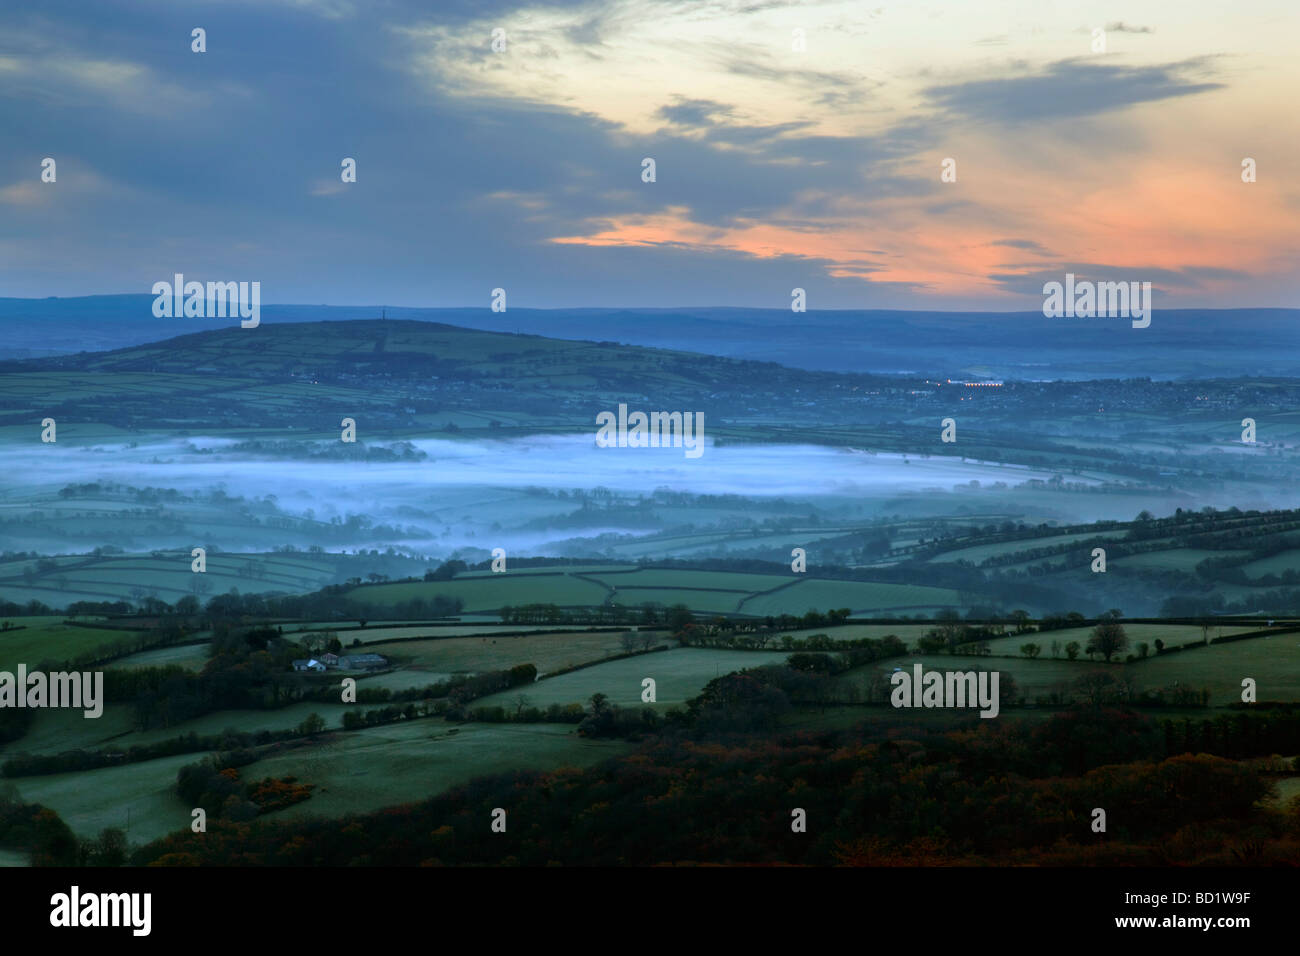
x=707, y=602
x=1171, y=634
x=57, y=729
x=710, y=580
x=190, y=656
x=1037, y=677
x=1177, y=559
x=863, y=598
x=404, y=679
x=1288, y=789
x=981, y=552
x=90, y=800
x=1277, y=564
x=489, y=593
x=908, y=633
x=49, y=638
x=374, y=635
x=474, y=654
x=594, y=570
x=1274, y=663
x=716, y=592
x=679, y=674
x=413, y=760
x=126, y=577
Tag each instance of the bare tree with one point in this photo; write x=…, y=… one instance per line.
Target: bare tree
x=1097, y=687
x=1108, y=639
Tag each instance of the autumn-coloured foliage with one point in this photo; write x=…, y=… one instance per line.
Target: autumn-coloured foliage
x=1005, y=792
x=272, y=794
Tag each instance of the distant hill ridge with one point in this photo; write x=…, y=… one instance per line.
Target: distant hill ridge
x=1193, y=343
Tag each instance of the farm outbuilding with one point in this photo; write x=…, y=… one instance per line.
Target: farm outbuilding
x=363, y=662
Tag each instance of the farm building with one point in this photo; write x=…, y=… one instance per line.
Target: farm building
x=308, y=665
x=363, y=662
x=330, y=660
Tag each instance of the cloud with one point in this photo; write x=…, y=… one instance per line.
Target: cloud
x=1189, y=278
x=688, y=112
x=1028, y=245
x=23, y=193
x=1120, y=26
x=1066, y=89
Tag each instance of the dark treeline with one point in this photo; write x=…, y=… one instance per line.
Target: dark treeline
x=989, y=792
x=1237, y=736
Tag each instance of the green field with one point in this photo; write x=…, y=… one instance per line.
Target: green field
x=1288, y=789
x=50, y=639
x=489, y=593
x=90, y=800
x=128, y=577
x=1276, y=564
x=679, y=674
x=1274, y=663
x=693, y=580
x=190, y=656
x=1172, y=634
x=863, y=598
x=475, y=654
x=1178, y=559
x=413, y=760
x=1033, y=678
x=382, y=634
x=588, y=569
x=982, y=552
x=705, y=602
x=57, y=729
x=908, y=633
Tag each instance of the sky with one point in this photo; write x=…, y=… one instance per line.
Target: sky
x=783, y=159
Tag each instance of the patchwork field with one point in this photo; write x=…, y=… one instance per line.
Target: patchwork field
x=413, y=760
x=977, y=553
x=1033, y=678
x=863, y=598
x=129, y=577
x=490, y=593
x=375, y=635
x=679, y=674
x=1173, y=635
x=50, y=639
x=652, y=578
x=140, y=798
x=1274, y=663
x=1178, y=559
x=908, y=633
x=474, y=654
x=56, y=730
x=190, y=656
